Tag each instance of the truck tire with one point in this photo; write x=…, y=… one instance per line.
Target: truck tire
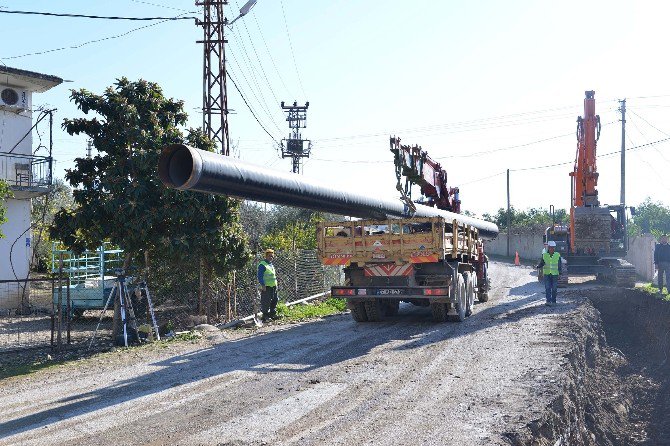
x=375, y=310
x=440, y=311
x=483, y=288
x=469, y=292
x=358, y=312
x=392, y=307
x=461, y=300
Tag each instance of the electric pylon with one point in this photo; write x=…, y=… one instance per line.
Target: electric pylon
x=214, y=94
x=294, y=146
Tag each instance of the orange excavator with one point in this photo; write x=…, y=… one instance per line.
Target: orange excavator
x=595, y=241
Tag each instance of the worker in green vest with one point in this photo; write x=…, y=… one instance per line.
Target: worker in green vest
x=267, y=277
x=551, y=268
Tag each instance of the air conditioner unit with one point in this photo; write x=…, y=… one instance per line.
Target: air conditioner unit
x=14, y=99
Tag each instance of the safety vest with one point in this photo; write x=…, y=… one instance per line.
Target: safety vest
x=550, y=263
x=269, y=275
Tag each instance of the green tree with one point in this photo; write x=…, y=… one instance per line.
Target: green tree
x=650, y=218
x=5, y=193
x=119, y=196
x=42, y=214
x=530, y=218
x=291, y=228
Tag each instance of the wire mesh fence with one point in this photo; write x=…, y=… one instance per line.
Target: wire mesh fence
x=188, y=301
x=26, y=313
x=31, y=316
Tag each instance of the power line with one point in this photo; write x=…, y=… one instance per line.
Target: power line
x=616, y=152
x=253, y=47
x=270, y=54
x=86, y=16
x=482, y=179
x=255, y=91
x=159, y=6
x=73, y=47
x=249, y=107
x=288, y=34
x=252, y=72
x=476, y=124
x=648, y=123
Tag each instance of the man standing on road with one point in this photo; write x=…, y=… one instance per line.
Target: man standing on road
x=551, y=268
x=662, y=262
x=267, y=277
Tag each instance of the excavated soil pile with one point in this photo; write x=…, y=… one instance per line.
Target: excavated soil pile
x=617, y=382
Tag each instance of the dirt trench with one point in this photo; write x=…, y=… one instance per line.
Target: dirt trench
x=617, y=385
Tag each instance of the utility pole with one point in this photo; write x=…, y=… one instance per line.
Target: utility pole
x=89, y=147
x=214, y=93
x=509, y=217
x=622, y=109
x=294, y=146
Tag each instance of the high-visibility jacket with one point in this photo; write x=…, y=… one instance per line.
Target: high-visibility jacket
x=551, y=263
x=266, y=274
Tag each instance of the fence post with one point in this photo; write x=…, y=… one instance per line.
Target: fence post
x=69, y=311
x=59, y=310
x=53, y=316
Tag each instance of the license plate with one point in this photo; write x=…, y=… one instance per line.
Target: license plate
x=390, y=292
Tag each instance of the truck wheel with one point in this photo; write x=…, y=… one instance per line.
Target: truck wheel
x=392, y=307
x=375, y=310
x=483, y=288
x=440, y=311
x=358, y=312
x=461, y=300
x=469, y=292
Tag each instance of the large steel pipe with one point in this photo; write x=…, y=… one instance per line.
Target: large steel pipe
x=186, y=168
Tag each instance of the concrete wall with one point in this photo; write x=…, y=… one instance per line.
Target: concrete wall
x=529, y=246
x=18, y=220
x=15, y=126
x=641, y=254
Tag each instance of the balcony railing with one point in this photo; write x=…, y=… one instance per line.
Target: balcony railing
x=28, y=173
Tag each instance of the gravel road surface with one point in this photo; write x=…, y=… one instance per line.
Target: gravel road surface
x=404, y=381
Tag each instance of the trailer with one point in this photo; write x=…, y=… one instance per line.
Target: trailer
x=90, y=276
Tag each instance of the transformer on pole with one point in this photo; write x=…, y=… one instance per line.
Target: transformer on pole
x=214, y=94
x=294, y=146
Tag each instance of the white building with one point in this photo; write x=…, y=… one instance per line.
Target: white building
x=28, y=175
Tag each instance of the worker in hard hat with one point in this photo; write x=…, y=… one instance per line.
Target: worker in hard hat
x=552, y=267
x=267, y=277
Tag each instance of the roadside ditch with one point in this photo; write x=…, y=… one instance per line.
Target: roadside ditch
x=616, y=387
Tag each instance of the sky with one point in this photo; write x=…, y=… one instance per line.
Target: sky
x=482, y=86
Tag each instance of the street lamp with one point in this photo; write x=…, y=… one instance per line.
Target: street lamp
x=244, y=10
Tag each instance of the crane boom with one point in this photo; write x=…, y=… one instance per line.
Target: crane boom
x=418, y=168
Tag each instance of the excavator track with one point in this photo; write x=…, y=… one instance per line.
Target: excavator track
x=620, y=273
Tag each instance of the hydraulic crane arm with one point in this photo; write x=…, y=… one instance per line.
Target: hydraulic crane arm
x=418, y=168
x=585, y=174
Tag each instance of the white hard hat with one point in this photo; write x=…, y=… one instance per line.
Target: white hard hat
x=552, y=243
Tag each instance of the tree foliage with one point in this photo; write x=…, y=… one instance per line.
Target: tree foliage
x=5, y=193
x=42, y=214
x=530, y=218
x=650, y=218
x=281, y=227
x=291, y=228
x=118, y=194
